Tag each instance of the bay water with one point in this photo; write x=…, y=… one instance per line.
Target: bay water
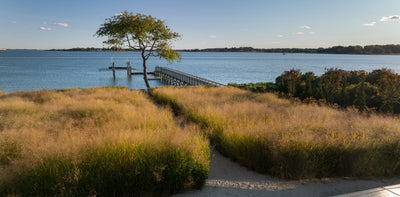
x=22, y=70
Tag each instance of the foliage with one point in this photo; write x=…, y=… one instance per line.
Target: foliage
x=290, y=140
x=332, y=83
x=101, y=141
x=378, y=90
x=257, y=87
x=141, y=32
x=289, y=81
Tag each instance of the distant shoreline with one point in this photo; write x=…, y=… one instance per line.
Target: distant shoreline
x=390, y=49
x=351, y=50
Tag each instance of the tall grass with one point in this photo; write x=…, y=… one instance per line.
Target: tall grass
x=290, y=140
x=99, y=141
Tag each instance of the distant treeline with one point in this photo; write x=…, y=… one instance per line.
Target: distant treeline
x=378, y=90
x=369, y=49
x=93, y=49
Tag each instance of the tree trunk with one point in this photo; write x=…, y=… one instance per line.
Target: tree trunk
x=145, y=71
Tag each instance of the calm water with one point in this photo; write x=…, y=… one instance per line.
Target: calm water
x=31, y=70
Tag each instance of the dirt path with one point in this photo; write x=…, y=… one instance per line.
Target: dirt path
x=227, y=178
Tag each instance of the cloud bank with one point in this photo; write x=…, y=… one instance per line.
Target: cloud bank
x=212, y=36
x=391, y=18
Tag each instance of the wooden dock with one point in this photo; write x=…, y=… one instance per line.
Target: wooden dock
x=128, y=68
x=178, y=78
x=166, y=75
x=119, y=68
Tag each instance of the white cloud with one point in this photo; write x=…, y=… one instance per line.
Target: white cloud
x=275, y=42
x=60, y=24
x=44, y=23
x=305, y=27
x=311, y=33
x=391, y=18
x=369, y=24
x=45, y=29
x=118, y=14
x=299, y=33
x=279, y=36
x=212, y=36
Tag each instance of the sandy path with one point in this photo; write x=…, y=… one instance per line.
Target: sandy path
x=227, y=178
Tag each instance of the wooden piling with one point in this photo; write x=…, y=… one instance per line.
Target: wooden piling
x=113, y=69
x=129, y=68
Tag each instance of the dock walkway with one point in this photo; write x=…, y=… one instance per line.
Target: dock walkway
x=178, y=78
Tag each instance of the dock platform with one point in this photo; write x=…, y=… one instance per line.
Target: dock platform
x=166, y=75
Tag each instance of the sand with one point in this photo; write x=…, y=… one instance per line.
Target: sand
x=228, y=178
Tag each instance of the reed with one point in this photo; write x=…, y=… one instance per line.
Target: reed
x=290, y=140
x=97, y=141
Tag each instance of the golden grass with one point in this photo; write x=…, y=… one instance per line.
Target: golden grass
x=76, y=127
x=290, y=140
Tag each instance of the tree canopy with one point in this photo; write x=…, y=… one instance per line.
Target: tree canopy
x=141, y=32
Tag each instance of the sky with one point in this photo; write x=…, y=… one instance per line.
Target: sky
x=50, y=24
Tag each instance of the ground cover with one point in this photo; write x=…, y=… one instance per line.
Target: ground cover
x=286, y=139
x=97, y=141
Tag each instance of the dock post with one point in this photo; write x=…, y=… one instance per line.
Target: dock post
x=113, y=69
x=129, y=68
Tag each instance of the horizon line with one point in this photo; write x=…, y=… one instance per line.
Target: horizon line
x=201, y=48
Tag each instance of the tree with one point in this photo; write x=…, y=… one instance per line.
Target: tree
x=332, y=80
x=308, y=78
x=318, y=89
x=389, y=89
x=360, y=100
x=288, y=81
x=141, y=32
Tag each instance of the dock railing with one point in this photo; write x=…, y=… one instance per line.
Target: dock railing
x=178, y=78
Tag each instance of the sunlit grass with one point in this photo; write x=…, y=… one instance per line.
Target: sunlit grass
x=100, y=141
x=290, y=140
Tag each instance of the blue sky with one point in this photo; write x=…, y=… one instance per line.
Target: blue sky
x=46, y=24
